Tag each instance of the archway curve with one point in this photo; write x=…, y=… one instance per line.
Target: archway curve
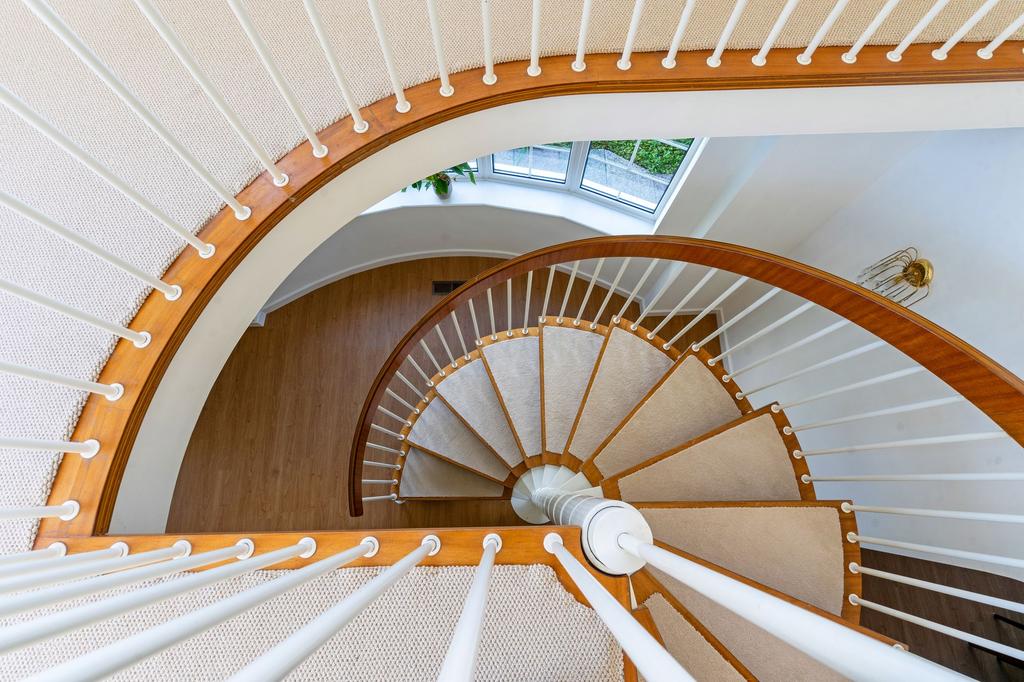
x=94, y=483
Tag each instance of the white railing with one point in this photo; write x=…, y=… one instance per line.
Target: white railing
x=460, y=661
x=65, y=512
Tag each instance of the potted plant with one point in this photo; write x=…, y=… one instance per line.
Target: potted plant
x=441, y=182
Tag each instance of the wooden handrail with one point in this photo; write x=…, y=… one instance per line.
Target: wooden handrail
x=94, y=483
x=989, y=386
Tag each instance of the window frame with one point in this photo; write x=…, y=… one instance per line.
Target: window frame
x=573, y=183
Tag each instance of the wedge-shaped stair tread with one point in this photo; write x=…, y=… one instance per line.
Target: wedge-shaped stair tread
x=471, y=394
x=796, y=548
x=515, y=366
x=569, y=357
x=628, y=368
x=689, y=402
x=687, y=645
x=746, y=461
x=424, y=475
x=440, y=431
x=765, y=656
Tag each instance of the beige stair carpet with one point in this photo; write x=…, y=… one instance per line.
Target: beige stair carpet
x=690, y=401
x=424, y=475
x=515, y=365
x=749, y=461
x=403, y=635
x=688, y=646
x=569, y=357
x=797, y=550
x=471, y=394
x=629, y=367
x=439, y=430
x=765, y=656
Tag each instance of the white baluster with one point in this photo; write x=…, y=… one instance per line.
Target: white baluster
x=38, y=599
x=394, y=416
x=850, y=56
x=590, y=287
x=682, y=302
x=987, y=51
x=842, y=357
x=381, y=429
x=485, y=18
x=460, y=661
x=739, y=316
x=490, y=312
x=286, y=656
x=51, y=551
x=411, y=386
x=444, y=344
x=420, y=371
x=938, y=551
x=669, y=62
x=634, y=25
x=446, y=89
x=215, y=96
x=908, y=443
x=707, y=311
x=782, y=351
x=761, y=58
x=896, y=54
x=462, y=339
x=715, y=60
x=526, y=305
x=384, y=448
x=892, y=376
x=109, y=391
x=89, y=58
x=608, y=296
x=8, y=99
x=379, y=481
x=568, y=290
x=678, y=270
x=636, y=290
x=401, y=103
x=64, y=512
x=476, y=327
x=580, y=64
x=430, y=355
x=943, y=52
x=118, y=549
x=358, y=123
x=170, y=291
x=140, y=339
x=534, y=68
x=900, y=409
x=756, y=335
x=381, y=465
x=402, y=401
x=508, y=306
x=87, y=448
x=934, y=513
x=807, y=478
x=380, y=498
x=826, y=26
x=547, y=292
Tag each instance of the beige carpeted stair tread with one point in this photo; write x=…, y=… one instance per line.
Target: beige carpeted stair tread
x=628, y=368
x=690, y=401
x=687, y=645
x=796, y=549
x=515, y=366
x=569, y=357
x=767, y=657
x=748, y=461
x=424, y=475
x=440, y=431
x=470, y=393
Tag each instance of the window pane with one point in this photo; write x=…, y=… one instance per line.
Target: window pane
x=473, y=166
x=635, y=172
x=542, y=162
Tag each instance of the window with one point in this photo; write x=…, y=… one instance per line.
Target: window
x=635, y=172
x=549, y=162
x=633, y=176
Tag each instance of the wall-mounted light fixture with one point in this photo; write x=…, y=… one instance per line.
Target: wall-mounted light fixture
x=902, y=276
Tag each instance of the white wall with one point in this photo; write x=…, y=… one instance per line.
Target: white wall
x=956, y=197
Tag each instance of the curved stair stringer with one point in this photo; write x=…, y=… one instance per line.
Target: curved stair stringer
x=756, y=452
x=687, y=639
x=689, y=399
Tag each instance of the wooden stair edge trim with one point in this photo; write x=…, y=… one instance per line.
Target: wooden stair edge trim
x=792, y=443
x=646, y=584
x=642, y=615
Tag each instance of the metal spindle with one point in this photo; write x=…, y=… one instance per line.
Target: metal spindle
x=678, y=267
x=109, y=391
x=402, y=401
x=447, y=350
x=442, y=65
x=267, y=59
x=842, y=357
x=170, y=291
x=908, y=443
x=938, y=551
x=359, y=125
x=912, y=407
x=508, y=306
x=943, y=52
x=547, y=292
x=411, y=386
x=679, y=306
x=401, y=103
x=384, y=448
x=568, y=291
x=896, y=54
x=850, y=56
x=460, y=661
x=526, y=305
x=590, y=287
x=485, y=17
x=534, y=68
x=579, y=63
x=63, y=560
x=715, y=60
x=401, y=420
x=379, y=481
x=634, y=25
x=608, y=296
x=57, y=26
x=707, y=311
x=669, y=62
x=389, y=432
x=756, y=335
x=476, y=327
x=987, y=51
x=490, y=312
x=934, y=513
x=761, y=58
x=807, y=478
x=51, y=551
x=782, y=351
x=891, y=376
x=87, y=448
x=140, y=339
x=64, y=512
x=9, y=100
x=826, y=26
x=215, y=96
x=381, y=465
x=636, y=289
x=739, y=316
x=430, y=355
x=380, y=498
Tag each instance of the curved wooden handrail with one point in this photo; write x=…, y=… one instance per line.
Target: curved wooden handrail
x=94, y=483
x=988, y=385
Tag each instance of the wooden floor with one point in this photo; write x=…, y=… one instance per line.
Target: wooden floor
x=270, y=450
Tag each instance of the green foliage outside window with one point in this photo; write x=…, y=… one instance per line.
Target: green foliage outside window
x=653, y=156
